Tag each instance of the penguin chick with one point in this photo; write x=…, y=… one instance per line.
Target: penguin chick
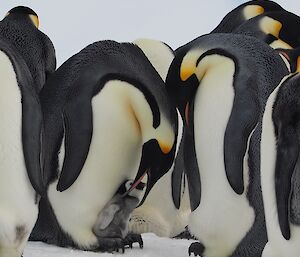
x=113, y=219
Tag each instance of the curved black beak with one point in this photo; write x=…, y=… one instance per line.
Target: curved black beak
x=154, y=163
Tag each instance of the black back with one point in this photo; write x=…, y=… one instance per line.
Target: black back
x=34, y=46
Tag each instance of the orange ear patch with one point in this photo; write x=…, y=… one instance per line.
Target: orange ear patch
x=298, y=64
x=35, y=20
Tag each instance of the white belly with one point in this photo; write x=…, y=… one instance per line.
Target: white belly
x=277, y=245
x=223, y=218
x=17, y=197
x=114, y=156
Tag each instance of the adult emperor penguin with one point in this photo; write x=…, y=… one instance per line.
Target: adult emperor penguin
x=280, y=165
x=20, y=132
x=278, y=29
x=220, y=83
x=244, y=12
x=20, y=28
x=158, y=214
x=106, y=108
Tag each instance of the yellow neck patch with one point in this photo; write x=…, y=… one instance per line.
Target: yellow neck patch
x=251, y=11
x=35, y=20
x=188, y=66
x=270, y=26
x=298, y=64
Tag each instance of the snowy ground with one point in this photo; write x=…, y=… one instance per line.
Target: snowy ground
x=153, y=247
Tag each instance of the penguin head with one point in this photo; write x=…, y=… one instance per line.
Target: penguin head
x=245, y=12
x=276, y=26
x=23, y=12
x=182, y=80
x=254, y=8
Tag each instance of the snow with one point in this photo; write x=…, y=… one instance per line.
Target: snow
x=153, y=247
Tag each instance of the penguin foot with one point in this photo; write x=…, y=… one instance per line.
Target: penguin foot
x=196, y=248
x=133, y=238
x=111, y=245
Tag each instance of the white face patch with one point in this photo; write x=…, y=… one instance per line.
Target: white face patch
x=214, y=222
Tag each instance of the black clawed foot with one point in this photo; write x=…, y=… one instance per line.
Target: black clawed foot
x=133, y=238
x=196, y=248
x=111, y=245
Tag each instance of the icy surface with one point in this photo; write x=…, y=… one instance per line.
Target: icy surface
x=153, y=247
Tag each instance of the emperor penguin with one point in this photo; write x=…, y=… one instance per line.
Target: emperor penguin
x=21, y=28
x=107, y=113
x=245, y=12
x=280, y=165
x=220, y=83
x=278, y=29
x=20, y=132
x=158, y=214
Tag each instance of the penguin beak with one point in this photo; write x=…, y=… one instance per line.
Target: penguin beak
x=35, y=20
x=156, y=160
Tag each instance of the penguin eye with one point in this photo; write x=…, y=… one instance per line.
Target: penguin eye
x=128, y=184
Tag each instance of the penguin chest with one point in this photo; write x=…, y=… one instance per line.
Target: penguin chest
x=17, y=197
x=114, y=156
x=223, y=218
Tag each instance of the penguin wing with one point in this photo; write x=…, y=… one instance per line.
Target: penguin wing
x=286, y=159
x=242, y=121
x=49, y=53
x=31, y=118
x=78, y=129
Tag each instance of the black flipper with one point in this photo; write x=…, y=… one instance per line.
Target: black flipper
x=192, y=170
x=177, y=175
x=287, y=155
x=243, y=119
x=190, y=160
x=78, y=124
x=31, y=137
x=31, y=118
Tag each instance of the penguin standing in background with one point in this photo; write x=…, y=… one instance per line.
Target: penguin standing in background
x=158, y=214
x=107, y=118
x=220, y=83
x=280, y=167
x=20, y=130
x=279, y=29
x=245, y=12
x=20, y=29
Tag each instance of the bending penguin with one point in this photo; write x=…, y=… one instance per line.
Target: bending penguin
x=158, y=214
x=245, y=12
x=20, y=131
x=107, y=112
x=220, y=83
x=280, y=165
x=277, y=29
